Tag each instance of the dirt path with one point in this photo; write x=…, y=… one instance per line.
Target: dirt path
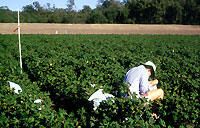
x=44, y=28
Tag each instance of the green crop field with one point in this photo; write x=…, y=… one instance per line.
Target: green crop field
x=60, y=69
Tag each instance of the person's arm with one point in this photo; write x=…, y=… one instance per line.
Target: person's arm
x=144, y=84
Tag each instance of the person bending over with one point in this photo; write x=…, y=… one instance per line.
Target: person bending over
x=138, y=78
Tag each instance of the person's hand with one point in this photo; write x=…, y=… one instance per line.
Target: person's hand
x=154, y=82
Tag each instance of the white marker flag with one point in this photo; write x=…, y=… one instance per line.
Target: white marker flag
x=20, y=53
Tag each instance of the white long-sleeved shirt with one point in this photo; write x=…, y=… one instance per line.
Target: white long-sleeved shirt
x=138, y=79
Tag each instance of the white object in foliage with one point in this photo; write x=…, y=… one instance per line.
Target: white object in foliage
x=38, y=101
x=98, y=97
x=93, y=85
x=16, y=87
x=153, y=88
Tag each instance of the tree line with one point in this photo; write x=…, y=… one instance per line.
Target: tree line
x=110, y=11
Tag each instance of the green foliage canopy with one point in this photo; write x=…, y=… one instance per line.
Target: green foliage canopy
x=60, y=69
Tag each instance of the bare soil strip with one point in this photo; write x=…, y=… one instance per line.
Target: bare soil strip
x=45, y=28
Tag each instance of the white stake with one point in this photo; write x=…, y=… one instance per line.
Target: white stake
x=20, y=53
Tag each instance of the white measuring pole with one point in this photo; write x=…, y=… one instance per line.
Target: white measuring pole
x=20, y=53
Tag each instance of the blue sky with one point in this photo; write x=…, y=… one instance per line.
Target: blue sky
x=14, y=5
